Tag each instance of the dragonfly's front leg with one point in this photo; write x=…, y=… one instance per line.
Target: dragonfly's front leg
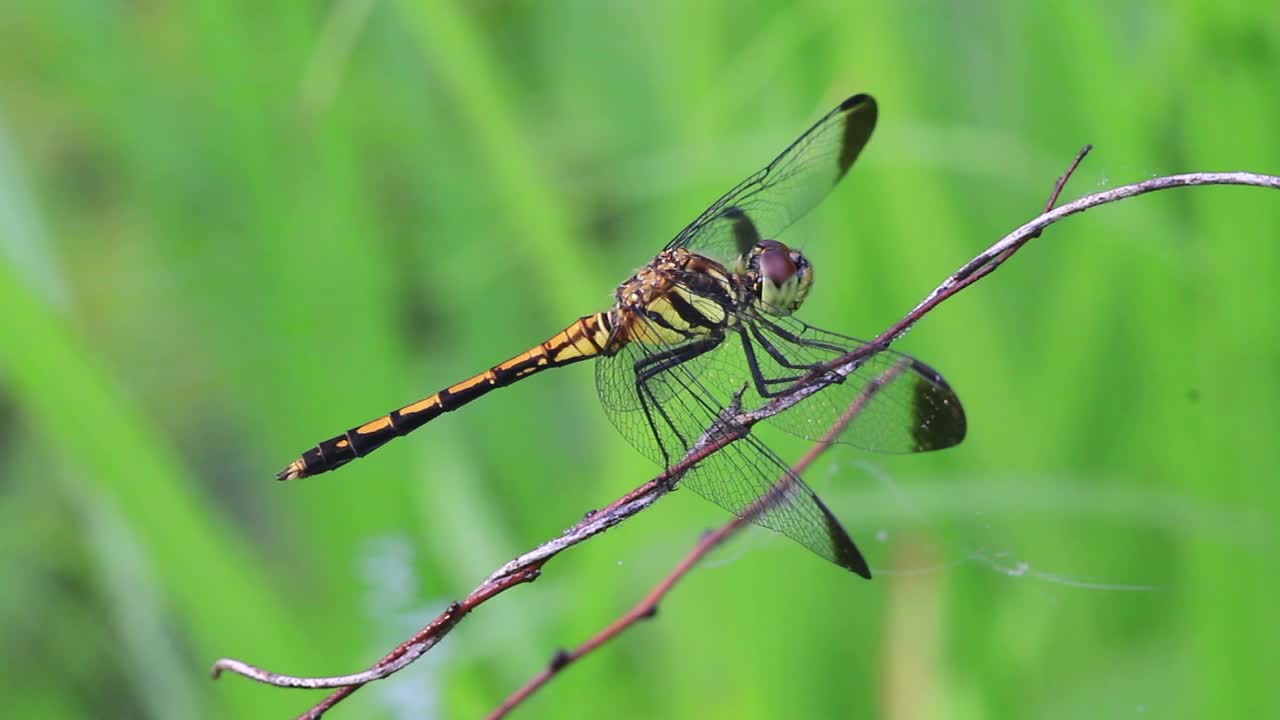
x=757, y=331
x=764, y=385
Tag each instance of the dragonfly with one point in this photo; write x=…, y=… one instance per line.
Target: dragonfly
x=709, y=322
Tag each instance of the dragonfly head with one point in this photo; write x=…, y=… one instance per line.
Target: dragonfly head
x=778, y=277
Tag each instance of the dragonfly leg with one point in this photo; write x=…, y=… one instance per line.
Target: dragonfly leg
x=763, y=384
x=777, y=354
x=757, y=377
x=789, y=336
x=798, y=340
x=653, y=365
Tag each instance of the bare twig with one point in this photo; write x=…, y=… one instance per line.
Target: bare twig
x=728, y=429
x=1065, y=177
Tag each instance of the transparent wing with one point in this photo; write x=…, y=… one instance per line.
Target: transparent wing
x=787, y=188
x=664, y=412
x=911, y=408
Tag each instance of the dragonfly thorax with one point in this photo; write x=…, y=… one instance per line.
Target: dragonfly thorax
x=678, y=296
x=777, y=277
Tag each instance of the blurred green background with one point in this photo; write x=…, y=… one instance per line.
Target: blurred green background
x=229, y=230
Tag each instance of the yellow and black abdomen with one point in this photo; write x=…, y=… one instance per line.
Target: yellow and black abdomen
x=587, y=337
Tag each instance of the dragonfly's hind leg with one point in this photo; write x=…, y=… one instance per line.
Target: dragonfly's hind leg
x=650, y=367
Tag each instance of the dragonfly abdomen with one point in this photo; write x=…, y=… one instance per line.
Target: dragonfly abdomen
x=586, y=338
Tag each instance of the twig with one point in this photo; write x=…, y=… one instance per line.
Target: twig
x=1062, y=180
x=527, y=567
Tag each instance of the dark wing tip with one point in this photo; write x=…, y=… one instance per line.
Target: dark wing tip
x=939, y=420
x=845, y=553
x=856, y=100
x=860, y=113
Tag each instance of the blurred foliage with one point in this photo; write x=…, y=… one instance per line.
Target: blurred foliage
x=228, y=230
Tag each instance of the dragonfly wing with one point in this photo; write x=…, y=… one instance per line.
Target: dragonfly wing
x=765, y=204
x=672, y=409
x=907, y=405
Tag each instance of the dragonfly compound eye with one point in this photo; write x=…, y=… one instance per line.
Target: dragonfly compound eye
x=781, y=277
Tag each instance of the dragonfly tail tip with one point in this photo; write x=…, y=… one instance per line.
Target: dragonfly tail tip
x=293, y=471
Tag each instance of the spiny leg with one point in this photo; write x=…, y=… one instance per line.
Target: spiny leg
x=777, y=354
x=789, y=336
x=764, y=384
x=757, y=377
x=793, y=338
x=653, y=365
